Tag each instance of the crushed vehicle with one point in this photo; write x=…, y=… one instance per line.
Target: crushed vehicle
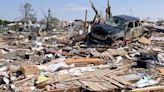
x=117, y=29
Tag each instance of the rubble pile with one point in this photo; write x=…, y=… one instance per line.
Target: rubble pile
x=116, y=54
x=49, y=63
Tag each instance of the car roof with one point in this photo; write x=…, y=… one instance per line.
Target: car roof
x=126, y=18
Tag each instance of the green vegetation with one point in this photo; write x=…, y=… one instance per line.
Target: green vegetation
x=4, y=22
x=54, y=20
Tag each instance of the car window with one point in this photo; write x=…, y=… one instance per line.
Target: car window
x=130, y=25
x=115, y=22
x=137, y=23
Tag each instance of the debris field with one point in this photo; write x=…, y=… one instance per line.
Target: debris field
x=120, y=54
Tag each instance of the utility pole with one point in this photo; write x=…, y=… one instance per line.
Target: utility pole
x=85, y=22
x=108, y=10
x=49, y=19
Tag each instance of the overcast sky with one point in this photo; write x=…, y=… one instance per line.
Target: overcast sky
x=75, y=9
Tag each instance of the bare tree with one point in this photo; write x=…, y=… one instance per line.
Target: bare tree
x=97, y=16
x=27, y=12
x=50, y=19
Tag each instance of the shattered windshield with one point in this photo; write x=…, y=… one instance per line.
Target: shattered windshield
x=115, y=22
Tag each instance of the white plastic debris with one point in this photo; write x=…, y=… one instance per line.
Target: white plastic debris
x=134, y=53
x=49, y=55
x=89, y=28
x=157, y=38
x=80, y=32
x=157, y=49
x=146, y=81
x=37, y=45
x=119, y=59
x=4, y=68
x=32, y=88
x=75, y=72
x=5, y=74
x=3, y=52
x=6, y=80
x=55, y=67
x=78, y=71
x=160, y=60
x=12, y=86
x=54, y=29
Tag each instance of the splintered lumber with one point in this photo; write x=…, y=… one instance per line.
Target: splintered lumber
x=113, y=82
x=147, y=89
x=91, y=85
x=118, y=51
x=99, y=80
x=144, y=40
x=85, y=60
x=161, y=70
x=99, y=73
x=120, y=79
x=107, y=83
x=27, y=80
x=71, y=89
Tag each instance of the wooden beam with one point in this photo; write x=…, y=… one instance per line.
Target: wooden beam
x=85, y=60
x=154, y=88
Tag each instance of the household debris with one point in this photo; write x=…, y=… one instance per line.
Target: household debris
x=144, y=40
x=47, y=64
x=82, y=56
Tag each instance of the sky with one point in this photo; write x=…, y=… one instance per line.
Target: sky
x=75, y=9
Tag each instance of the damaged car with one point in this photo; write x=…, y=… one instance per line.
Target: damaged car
x=117, y=30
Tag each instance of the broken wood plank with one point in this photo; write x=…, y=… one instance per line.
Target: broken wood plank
x=119, y=79
x=154, y=88
x=77, y=83
x=27, y=80
x=91, y=85
x=100, y=83
x=70, y=89
x=85, y=60
x=109, y=85
x=113, y=82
